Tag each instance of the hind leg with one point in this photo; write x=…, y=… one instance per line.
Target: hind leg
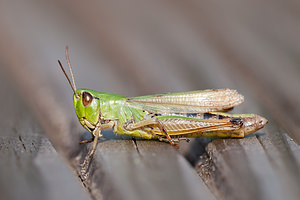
x=151, y=122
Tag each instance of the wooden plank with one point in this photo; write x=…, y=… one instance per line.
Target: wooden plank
x=30, y=168
x=144, y=52
x=251, y=53
x=107, y=170
x=144, y=170
x=262, y=168
x=245, y=170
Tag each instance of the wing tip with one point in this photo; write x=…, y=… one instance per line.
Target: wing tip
x=239, y=97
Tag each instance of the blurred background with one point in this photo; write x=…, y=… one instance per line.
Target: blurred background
x=139, y=47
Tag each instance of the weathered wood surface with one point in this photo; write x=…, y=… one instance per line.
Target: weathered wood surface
x=142, y=47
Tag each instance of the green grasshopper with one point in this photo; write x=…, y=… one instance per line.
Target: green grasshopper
x=165, y=117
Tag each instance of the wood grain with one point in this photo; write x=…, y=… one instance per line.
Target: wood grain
x=144, y=47
x=30, y=166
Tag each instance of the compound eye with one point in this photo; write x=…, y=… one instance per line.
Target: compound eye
x=237, y=121
x=87, y=99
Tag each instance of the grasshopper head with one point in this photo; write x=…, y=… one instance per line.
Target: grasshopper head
x=86, y=104
x=87, y=108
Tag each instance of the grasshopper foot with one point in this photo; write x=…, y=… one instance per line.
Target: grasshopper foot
x=178, y=139
x=173, y=142
x=86, y=163
x=90, y=140
x=84, y=169
x=86, y=141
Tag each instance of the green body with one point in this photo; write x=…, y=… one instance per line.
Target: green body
x=110, y=107
x=121, y=111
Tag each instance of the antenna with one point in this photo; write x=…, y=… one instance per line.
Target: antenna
x=70, y=68
x=69, y=64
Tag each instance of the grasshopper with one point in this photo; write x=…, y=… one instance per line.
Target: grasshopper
x=165, y=117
